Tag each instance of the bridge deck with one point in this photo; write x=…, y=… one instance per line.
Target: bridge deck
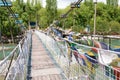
x=43, y=67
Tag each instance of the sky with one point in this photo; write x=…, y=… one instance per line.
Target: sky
x=64, y=3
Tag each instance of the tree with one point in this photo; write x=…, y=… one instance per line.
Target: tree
x=112, y=2
x=51, y=8
x=43, y=18
x=88, y=0
x=107, y=16
x=28, y=1
x=114, y=27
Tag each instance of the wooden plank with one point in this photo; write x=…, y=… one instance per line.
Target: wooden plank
x=43, y=68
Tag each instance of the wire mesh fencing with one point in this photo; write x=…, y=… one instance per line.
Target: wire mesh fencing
x=81, y=62
x=14, y=66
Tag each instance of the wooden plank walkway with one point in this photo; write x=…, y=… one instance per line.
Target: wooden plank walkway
x=43, y=67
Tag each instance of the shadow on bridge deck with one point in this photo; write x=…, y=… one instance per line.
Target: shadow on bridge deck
x=42, y=66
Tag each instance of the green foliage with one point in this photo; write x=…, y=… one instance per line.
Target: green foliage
x=114, y=27
x=43, y=18
x=51, y=8
x=27, y=12
x=112, y=3
x=108, y=16
x=107, y=21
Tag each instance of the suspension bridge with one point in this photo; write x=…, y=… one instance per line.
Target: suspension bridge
x=52, y=55
x=42, y=65
x=40, y=57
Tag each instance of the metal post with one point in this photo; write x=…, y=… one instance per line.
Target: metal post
x=0, y=30
x=29, y=24
x=95, y=2
x=1, y=38
x=73, y=21
x=36, y=21
x=63, y=24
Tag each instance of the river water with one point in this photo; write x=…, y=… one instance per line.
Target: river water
x=114, y=43
x=7, y=49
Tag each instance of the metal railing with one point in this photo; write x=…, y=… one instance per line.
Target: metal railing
x=78, y=64
x=14, y=66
